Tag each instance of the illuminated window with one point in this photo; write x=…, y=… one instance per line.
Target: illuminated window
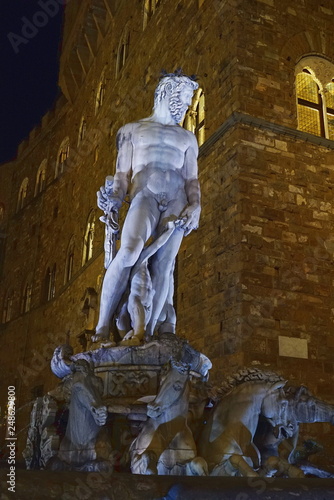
x=101, y=92
x=310, y=115
x=21, y=199
x=96, y=154
x=315, y=97
x=8, y=307
x=26, y=298
x=149, y=9
x=49, y=289
x=195, y=116
x=63, y=154
x=40, y=178
x=89, y=238
x=329, y=96
x=69, y=261
x=2, y=212
x=123, y=51
x=82, y=130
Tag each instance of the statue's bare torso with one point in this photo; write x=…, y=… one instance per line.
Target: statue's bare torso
x=158, y=157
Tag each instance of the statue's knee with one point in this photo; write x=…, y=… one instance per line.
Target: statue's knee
x=128, y=256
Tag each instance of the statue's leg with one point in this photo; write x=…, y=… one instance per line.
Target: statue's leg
x=167, y=319
x=140, y=222
x=162, y=264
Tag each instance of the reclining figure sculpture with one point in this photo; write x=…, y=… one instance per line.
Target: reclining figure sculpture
x=87, y=416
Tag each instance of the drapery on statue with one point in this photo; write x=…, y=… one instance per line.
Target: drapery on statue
x=161, y=157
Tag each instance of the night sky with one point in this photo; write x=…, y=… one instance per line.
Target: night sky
x=29, y=63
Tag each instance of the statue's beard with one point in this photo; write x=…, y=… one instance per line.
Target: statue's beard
x=176, y=108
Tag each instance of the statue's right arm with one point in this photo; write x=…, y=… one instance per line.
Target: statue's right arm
x=123, y=165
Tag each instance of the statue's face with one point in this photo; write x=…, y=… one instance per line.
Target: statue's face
x=179, y=103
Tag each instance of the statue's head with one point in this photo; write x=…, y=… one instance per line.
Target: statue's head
x=178, y=89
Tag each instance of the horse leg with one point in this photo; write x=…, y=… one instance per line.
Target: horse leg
x=240, y=464
x=145, y=463
x=197, y=467
x=282, y=466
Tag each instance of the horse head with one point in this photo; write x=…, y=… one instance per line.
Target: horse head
x=275, y=408
x=172, y=389
x=306, y=408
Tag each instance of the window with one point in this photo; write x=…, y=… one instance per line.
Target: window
x=123, y=51
x=8, y=307
x=89, y=238
x=195, y=117
x=100, y=94
x=40, y=178
x=63, y=154
x=96, y=154
x=82, y=130
x=310, y=115
x=329, y=95
x=2, y=212
x=149, y=9
x=315, y=96
x=49, y=291
x=69, y=261
x=26, y=298
x=21, y=199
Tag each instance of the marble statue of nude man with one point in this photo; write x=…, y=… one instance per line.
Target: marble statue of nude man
x=157, y=164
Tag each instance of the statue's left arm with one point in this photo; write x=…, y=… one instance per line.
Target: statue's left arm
x=192, y=211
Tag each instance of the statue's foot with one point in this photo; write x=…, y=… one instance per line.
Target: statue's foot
x=131, y=342
x=131, y=339
x=129, y=335
x=102, y=337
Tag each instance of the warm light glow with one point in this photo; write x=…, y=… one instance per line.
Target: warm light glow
x=195, y=117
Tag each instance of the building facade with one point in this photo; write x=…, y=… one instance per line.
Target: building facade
x=255, y=282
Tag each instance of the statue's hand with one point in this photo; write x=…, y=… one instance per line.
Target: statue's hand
x=190, y=218
x=107, y=203
x=100, y=414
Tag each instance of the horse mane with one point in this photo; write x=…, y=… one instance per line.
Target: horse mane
x=242, y=376
x=181, y=350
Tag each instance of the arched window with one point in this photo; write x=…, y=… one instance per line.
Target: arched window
x=2, y=212
x=49, y=290
x=101, y=91
x=315, y=96
x=123, y=50
x=329, y=96
x=69, y=261
x=63, y=154
x=195, y=116
x=88, y=238
x=21, y=199
x=96, y=154
x=8, y=307
x=40, y=178
x=82, y=130
x=149, y=9
x=310, y=112
x=26, y=297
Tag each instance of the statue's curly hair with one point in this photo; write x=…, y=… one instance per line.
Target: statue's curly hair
x=173, y=82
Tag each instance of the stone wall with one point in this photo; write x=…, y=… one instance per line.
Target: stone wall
x=260, y=268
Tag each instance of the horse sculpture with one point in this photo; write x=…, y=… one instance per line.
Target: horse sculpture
x=165, y=444
x=226, y=442
x=303, y=407
x=87, y=414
